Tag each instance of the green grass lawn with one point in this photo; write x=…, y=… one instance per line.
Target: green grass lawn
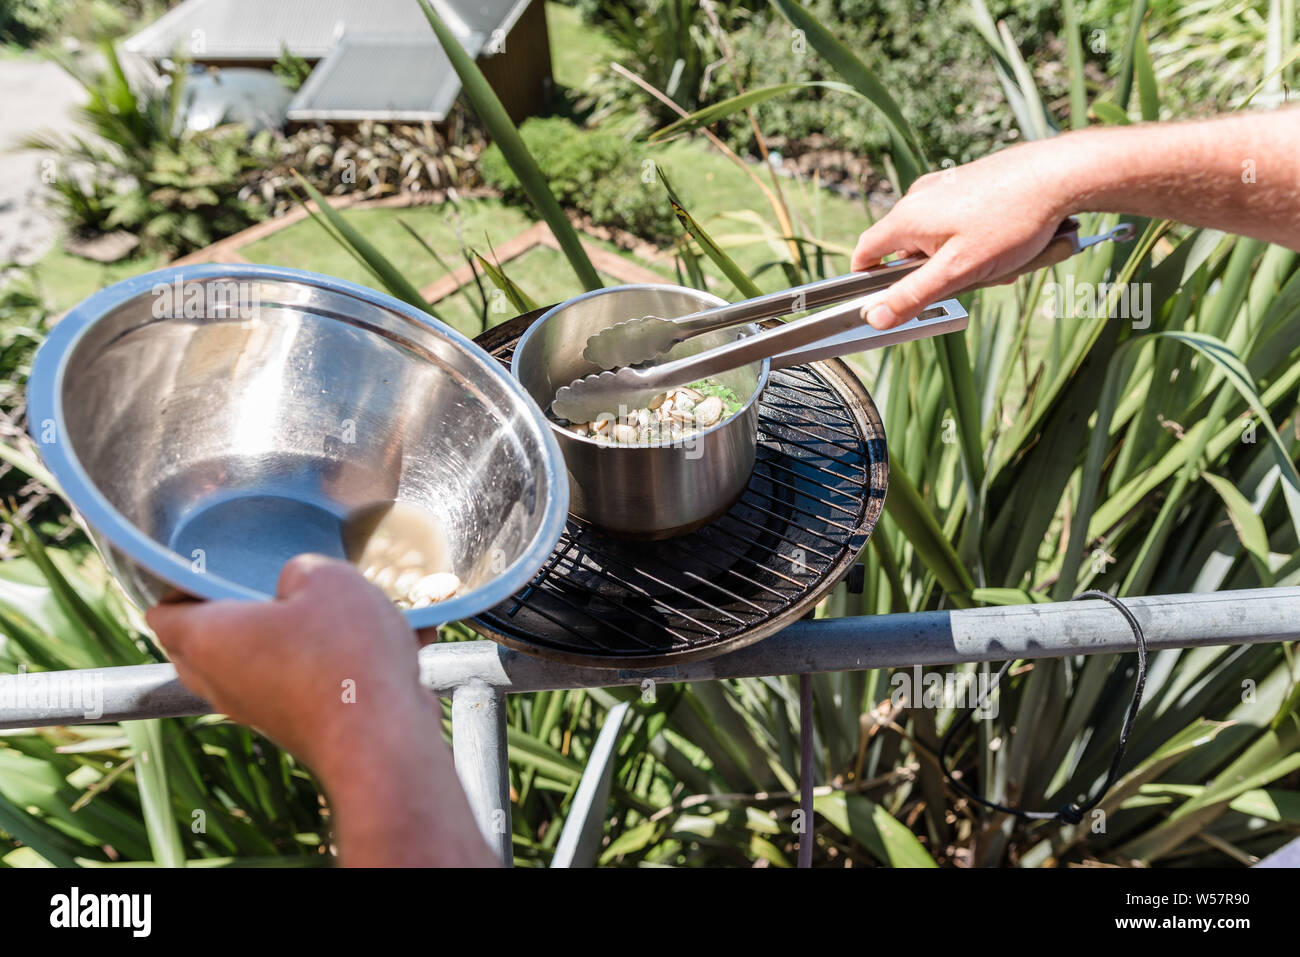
x=736, y=213
x=542, y=273
x=306, y=245
x=718, y=193
x=577, y=50
x=63, y=280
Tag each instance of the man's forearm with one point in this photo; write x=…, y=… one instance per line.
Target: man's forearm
x=1240, y=174
x=989, y=219
x=395, y=798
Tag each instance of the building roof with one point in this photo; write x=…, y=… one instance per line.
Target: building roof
x=213, y=30
x=381, y=78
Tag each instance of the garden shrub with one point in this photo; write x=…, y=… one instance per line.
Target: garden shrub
x=588, y=170
x=176, y=197
x=292, y=69
x=27, y=22
x=177, y=189
x=926, y=52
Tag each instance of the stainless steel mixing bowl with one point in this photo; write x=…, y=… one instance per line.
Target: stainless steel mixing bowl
x=205, y=451
x=645, y=491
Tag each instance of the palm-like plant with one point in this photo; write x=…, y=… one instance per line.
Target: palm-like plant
x=139, y=169
x=1031, y=459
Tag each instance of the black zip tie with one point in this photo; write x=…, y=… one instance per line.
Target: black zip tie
x=1071, y=813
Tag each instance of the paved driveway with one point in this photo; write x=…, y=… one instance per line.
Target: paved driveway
x=38, y=98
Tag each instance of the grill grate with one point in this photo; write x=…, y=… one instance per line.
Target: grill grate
x=816, y=492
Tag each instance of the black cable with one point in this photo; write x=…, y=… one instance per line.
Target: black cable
x=1071, y=813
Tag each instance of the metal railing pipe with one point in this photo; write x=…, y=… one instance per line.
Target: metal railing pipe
x=478, y=744
x=1050, y=630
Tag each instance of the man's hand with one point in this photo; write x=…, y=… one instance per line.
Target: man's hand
x=976, y=222
x=329, y=661
x=329, y=671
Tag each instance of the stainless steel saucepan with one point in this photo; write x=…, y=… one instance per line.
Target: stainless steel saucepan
x=662, y=490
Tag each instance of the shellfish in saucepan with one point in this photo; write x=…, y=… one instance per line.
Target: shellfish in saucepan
x=669, y=417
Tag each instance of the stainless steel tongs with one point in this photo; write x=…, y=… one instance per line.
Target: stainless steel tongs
x=603, y=393
x=587, y=399
x=636, y=340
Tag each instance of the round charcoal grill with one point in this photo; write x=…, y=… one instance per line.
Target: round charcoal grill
x=816, y=493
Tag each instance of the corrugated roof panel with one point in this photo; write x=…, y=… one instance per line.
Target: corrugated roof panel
x=256, y=29
x=392, y=78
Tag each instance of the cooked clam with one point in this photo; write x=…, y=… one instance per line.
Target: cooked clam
x=431, y=588
x=398, y=545
x=669, y=417
x=708, y=411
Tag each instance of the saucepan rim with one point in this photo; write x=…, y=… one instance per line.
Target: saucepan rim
x=516, y=364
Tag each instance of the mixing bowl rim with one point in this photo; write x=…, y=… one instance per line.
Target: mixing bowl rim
x=765, y=366
x=45, y=404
